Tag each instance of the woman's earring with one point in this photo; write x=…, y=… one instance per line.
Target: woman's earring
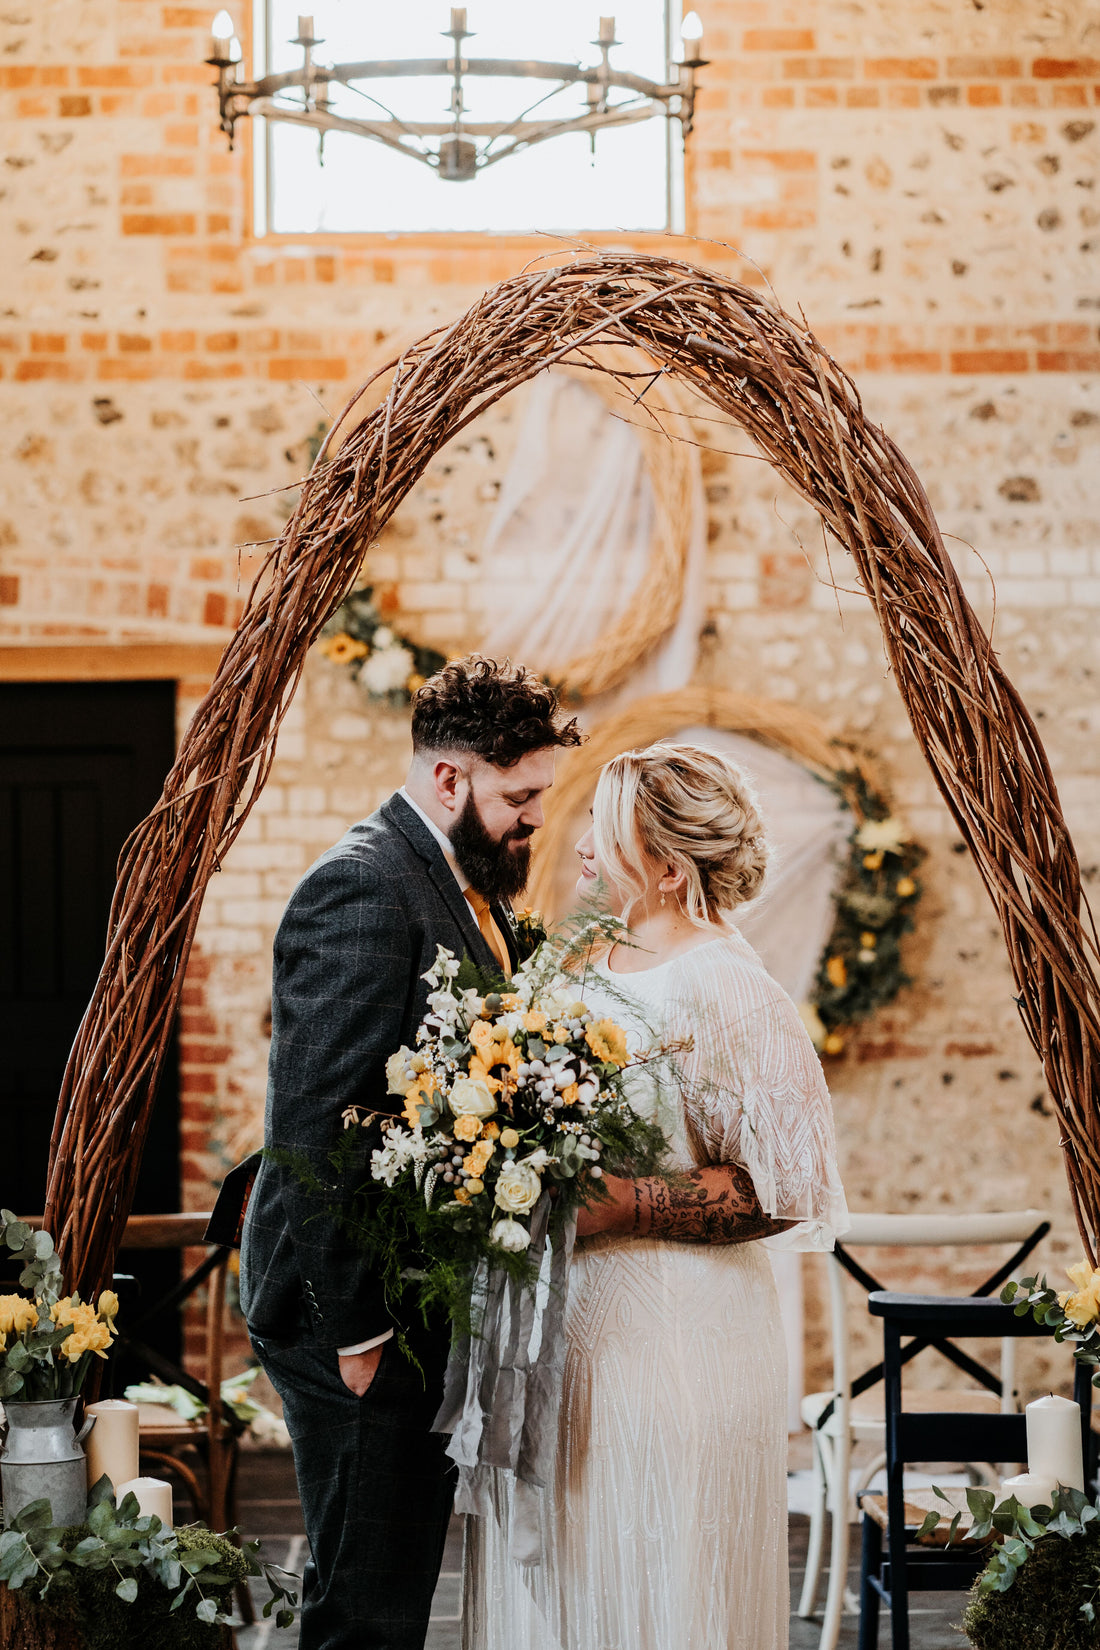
x=662, y=899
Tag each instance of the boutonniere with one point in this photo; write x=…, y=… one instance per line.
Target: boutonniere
x=528, y=926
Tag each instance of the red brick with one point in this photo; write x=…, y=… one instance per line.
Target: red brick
x=53, y=74
x=773, y=97
x=782, y=160
x=156, y=606
x=161, y=166
x=158, y=223
x=213, y=612
x=49, y=343
x=821, y=97
x=195, y=1024
x=989, y=360
x=1024, y=97
x=130, y=368
x=891, y=1048
x=213, y=369
x=134, y=342
x=117, y=103
x=912, y=360
x=1068, y=360
x=970, y=1051
x=861, y=97
x=27, y=371
x=9, y=589
x=207, y=1054
x=177, y=343
x=1069, y=97
x=34, y=108
x=779, y=217
x=983, y=68
x=984, y=97
x=900, y=68
x=307, y=366
x=903, y=97
x=93, y=340
x=182, y=135
x=1065, y=68
x=70, y=108
x=185, y=17
x=221, y=341
x=779, y=40
x=113, y=75
x=819, y=68
x=136, y=194
x=15, y=75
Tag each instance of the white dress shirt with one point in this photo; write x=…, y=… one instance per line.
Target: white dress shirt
x=463, y=882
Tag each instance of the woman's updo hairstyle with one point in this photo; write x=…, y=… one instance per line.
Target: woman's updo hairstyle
x=688, y=807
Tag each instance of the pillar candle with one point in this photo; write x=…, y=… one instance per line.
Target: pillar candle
x=1054, y=1441
x=154, y=1495
x=1029, y=1489
x=305, y=28
x=607, y=31
x=112, y=1445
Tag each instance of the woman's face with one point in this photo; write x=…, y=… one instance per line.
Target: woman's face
x=592, y=871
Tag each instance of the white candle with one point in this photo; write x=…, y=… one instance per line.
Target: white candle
x=607, y=31
x=1029, y=1489
x=305, y=28
x=1054, y=1441
x=153, y=1496
x=458, y=19
x=691, y=33
x=112, y=1446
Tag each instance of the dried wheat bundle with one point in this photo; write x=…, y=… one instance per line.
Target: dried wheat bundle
x=767, y=374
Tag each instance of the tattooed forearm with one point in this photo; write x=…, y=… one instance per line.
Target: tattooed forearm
x=712, y=1205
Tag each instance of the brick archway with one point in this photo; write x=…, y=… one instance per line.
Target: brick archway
x=768, y=375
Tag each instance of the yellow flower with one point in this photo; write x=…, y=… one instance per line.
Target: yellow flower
x=510, y=1001
x=420, y=1093
x=834, y=1043
x=607, y=1042
x=342, y=648
x=478, y=1160
x=534, y=1021
x=481, y=1035
x=905, y=888
x=868, y=941
x=87, y=1337
x=461, y=1195
x=560, y=1032
x=466, y=1127
x=475, y=1186
x=836, y=972
x=107, y=1308
x=1082, y=1306
x=569, y=1095
x=492, y=1058
x=490, y=1131
x=509, y=1139
x=871, y=862
x=17, y=1314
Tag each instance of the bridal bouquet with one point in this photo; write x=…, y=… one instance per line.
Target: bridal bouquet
x=508, y=1094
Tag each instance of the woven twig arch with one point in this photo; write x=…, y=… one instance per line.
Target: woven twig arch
x=768, y=374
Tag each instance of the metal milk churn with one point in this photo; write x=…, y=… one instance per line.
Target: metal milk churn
x=42, y=1457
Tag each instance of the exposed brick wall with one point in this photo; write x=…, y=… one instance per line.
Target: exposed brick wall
x=921, y=180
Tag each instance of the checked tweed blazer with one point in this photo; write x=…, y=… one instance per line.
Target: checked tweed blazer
x=361, y=928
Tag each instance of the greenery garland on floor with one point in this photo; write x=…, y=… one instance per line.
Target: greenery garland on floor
x=388, y=667
x=860, y=969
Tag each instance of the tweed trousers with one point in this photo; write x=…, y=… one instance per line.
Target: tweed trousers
x=376, y=1491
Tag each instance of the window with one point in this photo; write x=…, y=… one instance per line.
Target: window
x=630, y=182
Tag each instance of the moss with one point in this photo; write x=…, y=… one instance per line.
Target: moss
x=88, y=1598
x=1042, y=1609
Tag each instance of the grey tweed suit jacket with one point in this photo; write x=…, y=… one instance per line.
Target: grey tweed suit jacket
x=360, y=929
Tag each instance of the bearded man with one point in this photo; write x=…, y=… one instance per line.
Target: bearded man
x=436, y=865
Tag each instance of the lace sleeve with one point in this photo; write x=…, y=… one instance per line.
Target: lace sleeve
x=754, y=1092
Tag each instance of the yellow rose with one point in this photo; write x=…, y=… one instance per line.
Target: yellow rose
x=607, y=1042
x=518, y=1188
x=471, y=1096
x=509, y=1139
x=836, y=972
x=534, y=1021
x=466, y=1127
x=481, y=1035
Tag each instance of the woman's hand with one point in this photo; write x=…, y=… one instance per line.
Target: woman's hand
x=613, y=1214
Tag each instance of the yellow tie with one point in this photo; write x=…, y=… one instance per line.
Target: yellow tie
x=490, y=933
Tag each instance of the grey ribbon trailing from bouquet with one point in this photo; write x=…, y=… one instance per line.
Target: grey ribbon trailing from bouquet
x=502, y=1389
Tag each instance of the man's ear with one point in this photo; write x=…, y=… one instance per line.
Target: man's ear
x=447, y=778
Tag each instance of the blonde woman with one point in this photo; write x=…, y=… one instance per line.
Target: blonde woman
x=666, y=1526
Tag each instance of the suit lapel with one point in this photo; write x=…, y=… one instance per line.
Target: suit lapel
x=502, y=916
x=398, y=813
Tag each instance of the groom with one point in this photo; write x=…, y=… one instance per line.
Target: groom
x=436, y=865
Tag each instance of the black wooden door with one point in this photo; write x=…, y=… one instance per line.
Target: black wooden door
x=81, y=763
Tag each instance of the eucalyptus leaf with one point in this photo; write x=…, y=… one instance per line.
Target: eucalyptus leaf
x=127, y=1590
x=17, y=1561
x=36, y=1515
x=931, y=1522
x=43, y=1245
x=207, y=1611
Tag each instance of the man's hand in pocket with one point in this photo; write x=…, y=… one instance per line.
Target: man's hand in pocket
x=358, y=1369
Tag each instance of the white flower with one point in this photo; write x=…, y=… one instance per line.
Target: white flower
x=471, y=1098
x=398, y=1079
x=383, y=637
x=386, y=670
x=509, y=1234
x=402, y=1147
x=537, y=1160
x=518, y=1188
x=445, y=967
x=889, y=835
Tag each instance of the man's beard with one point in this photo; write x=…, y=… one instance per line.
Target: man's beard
x=496, y=870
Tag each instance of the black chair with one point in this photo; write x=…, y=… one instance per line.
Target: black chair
x=910, y=1566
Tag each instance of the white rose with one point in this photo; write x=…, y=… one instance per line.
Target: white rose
x=509, y=1234
x=398, y=1080
x=387, y=670
x=518, y=1188
x=471, y=1098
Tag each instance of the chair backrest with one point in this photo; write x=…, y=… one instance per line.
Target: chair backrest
x=1023, y=1227
x=920, y=1435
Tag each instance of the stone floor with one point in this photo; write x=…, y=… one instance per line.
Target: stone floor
x=268, y=1508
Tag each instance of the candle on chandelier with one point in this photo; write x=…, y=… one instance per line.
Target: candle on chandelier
x=1054, y=1441
x=691, y=33
x=221, y=36
x=305, y=28
x=607, y=31
x=458, y=19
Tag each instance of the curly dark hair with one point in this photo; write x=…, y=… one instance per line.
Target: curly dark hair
x=499, y=712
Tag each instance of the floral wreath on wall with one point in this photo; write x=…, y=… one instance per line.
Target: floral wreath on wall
x=860, y=969
x=388, y=666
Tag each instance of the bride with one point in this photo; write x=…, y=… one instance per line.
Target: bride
x=666, y=1526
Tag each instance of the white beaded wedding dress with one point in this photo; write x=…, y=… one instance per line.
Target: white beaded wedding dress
x=666, y=1526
